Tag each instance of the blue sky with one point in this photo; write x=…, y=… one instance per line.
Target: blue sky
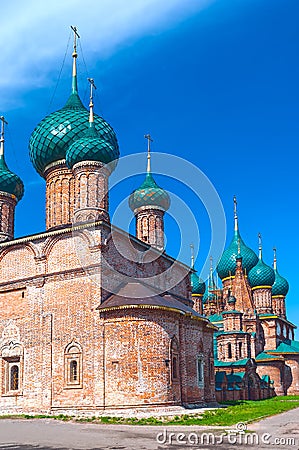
x=214, y=82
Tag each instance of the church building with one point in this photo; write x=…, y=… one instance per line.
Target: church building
x=255, y=353
x=92, y=318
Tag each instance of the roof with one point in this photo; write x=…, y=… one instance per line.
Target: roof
x=216, y=318
x=232, y=311
x=235, y=377
x=275, y=316
x=289, y=347
x=135, y=294
x=263, y=356
x=227, y=264
x=239, y=363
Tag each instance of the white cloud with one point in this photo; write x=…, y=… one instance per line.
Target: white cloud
x=34, y=34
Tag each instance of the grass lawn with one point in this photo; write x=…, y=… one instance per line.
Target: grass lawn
x=241, y=411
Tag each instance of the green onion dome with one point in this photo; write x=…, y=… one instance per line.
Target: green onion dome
x=280, y=286
x=92, y=147
x=197, y=284
x=227, y=264
x=261, y=275
x=10, y=182
x=149, y=194
x=56, y=132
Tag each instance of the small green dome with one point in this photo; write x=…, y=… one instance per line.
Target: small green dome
x=261, y=275
x=280, y=286
x=149, y=194
x=197, y=284
x=10, y=182
x=56, y=132
x=92, y=147
x=227, y=264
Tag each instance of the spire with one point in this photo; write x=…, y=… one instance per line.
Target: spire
x=260, y=246
x=239, y=249
x=75, y=55
x=236, y=214
x=3, y=123
x=192, y=255
x=91, y=105
x=274, y=259
x=149, y=140
x=212, y=282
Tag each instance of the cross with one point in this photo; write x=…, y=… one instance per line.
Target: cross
x=2, y=126
x=235, y=205
x=92, y=86
x=192, y=255
x=76, y=35
x=260, y=245
x=149, y=140
x=274, y=262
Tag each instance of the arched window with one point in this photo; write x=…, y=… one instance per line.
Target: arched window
x=229, y=350
x=200, y=371
x=11, y=360
x=144, y=229
x=73, y=365
x=14, y=378
x=174, y=368
x=174, y=358
x=73, y=370
x=240, y=349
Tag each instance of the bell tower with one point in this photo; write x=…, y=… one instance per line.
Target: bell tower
x=149, y=203
x=11, y=191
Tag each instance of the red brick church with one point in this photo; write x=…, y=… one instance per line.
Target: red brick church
x=256, y=355
x=94, y=319
x=91, y=318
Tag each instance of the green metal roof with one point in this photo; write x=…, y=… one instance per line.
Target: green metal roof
x=261, y=275
x=239, y=363
x=10, y=182
x=263, y=356
x=56, y=132
x=215, y=318
x=280, y=286
x=286, y=347
x=235, y=377
x=197, y=284
x=232, y=311
x=149, y=194
x=227, y=264
x=92, y=147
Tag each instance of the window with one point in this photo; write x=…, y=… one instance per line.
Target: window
x=229, y=350
x=11, y=368
x=240, y=349
x=174, y=358
x=73, y=370
x=73, y=366
x=200, y=371
x=14, y=378
x=174, y=368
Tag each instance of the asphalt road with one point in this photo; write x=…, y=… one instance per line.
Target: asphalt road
x=279, y=432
